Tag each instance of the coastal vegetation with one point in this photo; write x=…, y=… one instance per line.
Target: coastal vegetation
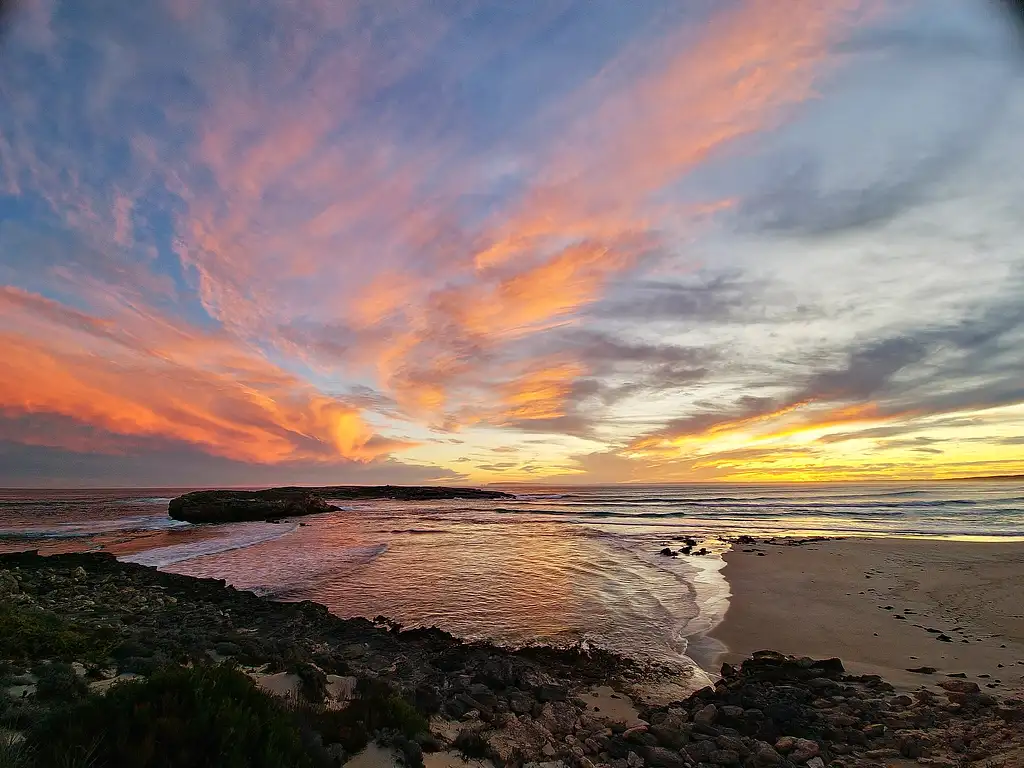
x=134, y=667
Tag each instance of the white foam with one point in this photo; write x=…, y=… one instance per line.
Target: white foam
x=86, y=528
x=236, y=536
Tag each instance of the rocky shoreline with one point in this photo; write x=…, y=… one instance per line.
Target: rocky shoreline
x=110, y=621
x=231, y=506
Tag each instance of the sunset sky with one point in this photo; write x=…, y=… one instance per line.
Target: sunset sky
x=333, y=241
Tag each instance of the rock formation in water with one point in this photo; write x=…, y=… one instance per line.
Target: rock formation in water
x=275, y=503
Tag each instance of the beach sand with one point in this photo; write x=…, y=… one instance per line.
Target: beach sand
x=877, y=603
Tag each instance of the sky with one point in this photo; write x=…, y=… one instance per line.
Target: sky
x=474, y=241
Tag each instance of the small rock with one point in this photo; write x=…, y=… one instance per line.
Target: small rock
x=913, y=744
x=633, y=760
x=965, y=687
x=804, y=750
x=785, y=745
x=881, y=754
x=724, y=757
x=552, y=692
x=874, y=731
x=766, y=756
x=707, y=715
x=815, y=762
x=664, y=758
x=1010, y=714
x=548, y=750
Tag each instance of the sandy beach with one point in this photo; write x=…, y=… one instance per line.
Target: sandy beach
x=884, y=606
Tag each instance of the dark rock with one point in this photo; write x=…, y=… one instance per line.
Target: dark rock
x=912, y=744
x=700, y=751
x=236, y=506
x=520, y=703
x=552, y=692
x=965, y=687
x=923, y=670
x=706, y=715
x=731, y=713
x=765, y=755
x=724, y=757
x=1010, y=714
x=276, y=503
x=804, y=750
x=659, y=757
x=873, y=731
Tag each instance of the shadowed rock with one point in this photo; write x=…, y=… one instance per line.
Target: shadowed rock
x=275, y=503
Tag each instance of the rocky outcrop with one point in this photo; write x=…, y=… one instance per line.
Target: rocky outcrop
x=403, y=492
x=275, y=503
x=237, y=506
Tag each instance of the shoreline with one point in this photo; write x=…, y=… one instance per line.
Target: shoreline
x=885, y=605
x=76, y=627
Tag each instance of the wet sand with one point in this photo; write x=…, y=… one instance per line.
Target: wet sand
x=883, y=606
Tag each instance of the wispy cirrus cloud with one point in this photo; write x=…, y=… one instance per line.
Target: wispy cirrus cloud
x=299, y=234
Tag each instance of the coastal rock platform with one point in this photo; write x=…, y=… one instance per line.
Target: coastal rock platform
x=231, y=506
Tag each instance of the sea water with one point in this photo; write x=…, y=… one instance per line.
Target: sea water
x=555, y=565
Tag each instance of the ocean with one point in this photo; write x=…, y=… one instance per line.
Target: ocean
x=555, y=565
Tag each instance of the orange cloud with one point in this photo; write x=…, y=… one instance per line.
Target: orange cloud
x=199, y=390
x=588, y=218
x=289, y=215
x=539, y=394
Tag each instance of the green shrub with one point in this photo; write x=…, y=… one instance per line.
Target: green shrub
x=30, y=633
x=471, y=744
x=14, y=754
x=180, y=718
x=312, y=683
x=375, y=709
x=58, y=683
